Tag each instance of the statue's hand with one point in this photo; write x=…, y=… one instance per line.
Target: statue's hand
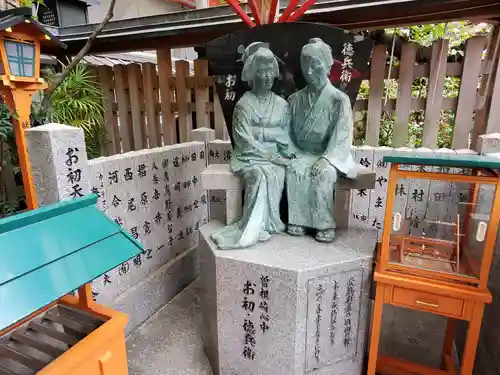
x=319, y=167
x=279, y=160
x=283, y=150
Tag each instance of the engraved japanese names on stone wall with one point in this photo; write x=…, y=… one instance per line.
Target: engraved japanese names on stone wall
x=156, y=195
x=255, y=304
x=332, y=318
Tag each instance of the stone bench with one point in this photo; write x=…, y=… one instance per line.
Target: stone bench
x=220, y=177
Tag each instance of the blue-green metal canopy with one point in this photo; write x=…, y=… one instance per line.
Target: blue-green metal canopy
x=444, y=160
x=51, y=251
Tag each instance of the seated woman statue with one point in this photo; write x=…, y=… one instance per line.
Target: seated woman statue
x=260, y=152
x=321, y=135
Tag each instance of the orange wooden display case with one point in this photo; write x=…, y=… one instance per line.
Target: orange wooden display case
x=441, y=266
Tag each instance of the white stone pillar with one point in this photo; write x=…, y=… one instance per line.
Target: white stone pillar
x=59, y=162
x=488, y=143
x=203, y=135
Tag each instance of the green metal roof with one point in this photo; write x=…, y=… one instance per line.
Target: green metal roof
x=51, y=251
x=445, y=160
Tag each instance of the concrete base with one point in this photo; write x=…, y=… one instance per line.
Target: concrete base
x=412, y=335
x=169, y=342
x=288, y=306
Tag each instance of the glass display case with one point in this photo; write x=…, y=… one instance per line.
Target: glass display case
x=441, y=216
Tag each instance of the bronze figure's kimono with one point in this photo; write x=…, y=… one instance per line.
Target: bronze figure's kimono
x=260, y=154
x=321, y=133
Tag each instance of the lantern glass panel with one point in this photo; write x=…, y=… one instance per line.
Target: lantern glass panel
x=21, y=58
x=440, y=225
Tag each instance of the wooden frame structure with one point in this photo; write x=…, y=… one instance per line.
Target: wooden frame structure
x=455, y=295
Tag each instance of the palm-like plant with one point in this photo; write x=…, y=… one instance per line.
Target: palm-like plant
x=78, y=101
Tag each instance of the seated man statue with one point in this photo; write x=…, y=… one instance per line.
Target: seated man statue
x=321, y=134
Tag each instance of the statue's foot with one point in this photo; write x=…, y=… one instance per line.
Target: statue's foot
x=264, y=236
x=326, y=236
x=296, y=230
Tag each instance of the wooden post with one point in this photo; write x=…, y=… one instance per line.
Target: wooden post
x=151, y=102
x=376, y=92
x=19, y=102
x=435, y=93
x=487, y=86
x=183, y=98
x=168, y=130
x=468, y=92
x=493, y=119
x=134, y=74
x=121, y=84
x=106, y=79
x=201, y=93
x=403, y=101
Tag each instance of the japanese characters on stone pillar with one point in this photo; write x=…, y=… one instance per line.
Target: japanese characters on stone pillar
x=219, y=152
x=378, y=195
x=360, y=198
x=58, y=162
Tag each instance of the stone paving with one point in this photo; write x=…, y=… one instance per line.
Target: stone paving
x=169, y=342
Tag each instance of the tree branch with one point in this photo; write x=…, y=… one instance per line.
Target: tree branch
x=59, y=77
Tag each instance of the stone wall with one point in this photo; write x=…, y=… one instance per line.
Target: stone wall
x=155, y=194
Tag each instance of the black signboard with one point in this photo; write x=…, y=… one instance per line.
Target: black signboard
x=351, y=54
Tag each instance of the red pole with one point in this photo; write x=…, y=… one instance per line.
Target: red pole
x=300, y=12
x=240, y=12
x=272, y=11
x=288, y=11
x=255, y=12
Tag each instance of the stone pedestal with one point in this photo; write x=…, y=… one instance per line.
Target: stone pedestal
x=287, y=306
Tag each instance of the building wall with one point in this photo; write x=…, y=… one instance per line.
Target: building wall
x=132, y=9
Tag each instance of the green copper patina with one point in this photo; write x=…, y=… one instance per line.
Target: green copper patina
x=321, y=136
x=260, y=155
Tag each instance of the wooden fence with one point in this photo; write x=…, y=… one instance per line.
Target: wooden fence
x=153, y=107
x=148, y=107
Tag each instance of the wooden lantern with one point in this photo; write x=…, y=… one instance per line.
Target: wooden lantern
x=21, y=39
x=442, y=264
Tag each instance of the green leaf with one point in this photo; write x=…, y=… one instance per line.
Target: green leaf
x=78, y=101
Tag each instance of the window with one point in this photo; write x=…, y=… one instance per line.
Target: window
x=21, y=58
